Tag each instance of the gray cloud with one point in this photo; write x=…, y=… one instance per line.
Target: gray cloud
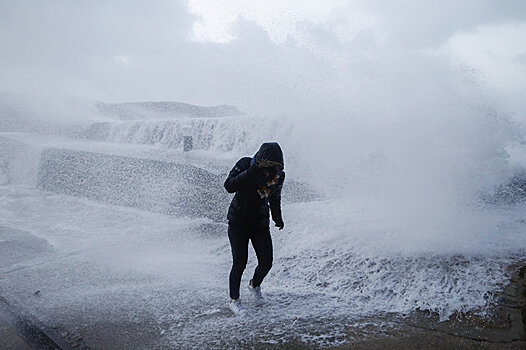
x=112, y=51
x=520, y=58
x=424, y=24
x=70, y=47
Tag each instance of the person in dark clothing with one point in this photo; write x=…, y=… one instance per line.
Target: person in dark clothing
x=257, y=183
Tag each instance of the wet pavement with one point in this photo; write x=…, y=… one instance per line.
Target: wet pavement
x=10, y=339
x=125, y=314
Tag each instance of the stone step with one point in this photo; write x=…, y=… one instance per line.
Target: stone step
x=141, y=176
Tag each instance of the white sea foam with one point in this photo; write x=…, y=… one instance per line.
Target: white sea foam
x=399, y=222
x=399, y=225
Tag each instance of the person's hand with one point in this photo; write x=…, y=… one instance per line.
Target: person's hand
x=280, y=224
x=260, y=179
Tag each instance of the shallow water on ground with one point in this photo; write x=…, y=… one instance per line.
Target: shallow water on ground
x=166, y=277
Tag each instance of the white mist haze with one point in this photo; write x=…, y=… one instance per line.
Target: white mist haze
x=393, y=116
x=370, y=106
x=101, y=52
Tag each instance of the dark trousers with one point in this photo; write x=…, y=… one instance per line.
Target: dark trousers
x=262, y=243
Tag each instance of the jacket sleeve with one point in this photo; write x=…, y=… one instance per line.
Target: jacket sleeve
x=239, y=177
x=275, y=201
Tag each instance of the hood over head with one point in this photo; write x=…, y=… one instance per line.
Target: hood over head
x=269, y=155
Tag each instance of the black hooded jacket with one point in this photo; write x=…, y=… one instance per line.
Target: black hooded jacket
x=248, y=207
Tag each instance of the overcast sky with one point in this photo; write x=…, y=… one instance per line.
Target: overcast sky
x=253, y=54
